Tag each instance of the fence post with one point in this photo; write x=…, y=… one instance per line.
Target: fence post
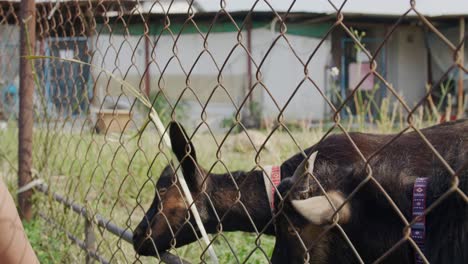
x=26, y=92
x=90, y=240
x=461, y=73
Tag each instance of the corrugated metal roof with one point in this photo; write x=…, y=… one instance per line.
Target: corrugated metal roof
x=432, y=8
x=429, y=8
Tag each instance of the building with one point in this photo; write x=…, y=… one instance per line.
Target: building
x=211, y=67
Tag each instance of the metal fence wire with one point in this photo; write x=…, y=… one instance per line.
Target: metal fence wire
x=249, y=84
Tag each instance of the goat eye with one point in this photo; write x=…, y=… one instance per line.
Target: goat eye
x=162, y=191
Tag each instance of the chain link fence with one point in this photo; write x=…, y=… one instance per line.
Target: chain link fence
x=252, y=82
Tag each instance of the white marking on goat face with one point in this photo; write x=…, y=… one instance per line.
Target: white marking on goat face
x=319, y=211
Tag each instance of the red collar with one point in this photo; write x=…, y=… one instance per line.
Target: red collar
x=272, y=178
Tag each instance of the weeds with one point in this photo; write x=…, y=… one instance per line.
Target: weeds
x=163, y=107
x=116, y=176
x=47, y=247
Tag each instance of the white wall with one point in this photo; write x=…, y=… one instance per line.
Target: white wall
x=124, y=57
x=9, y=54
x=281, y=71
x=407, y=63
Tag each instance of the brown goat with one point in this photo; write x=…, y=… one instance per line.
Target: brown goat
x=237, y=201
x=310, y=229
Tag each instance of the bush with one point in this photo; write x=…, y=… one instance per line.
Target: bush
x=165, y=110
x=48, y=250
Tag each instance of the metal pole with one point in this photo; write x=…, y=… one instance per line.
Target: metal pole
x=124, y=234
x=147, y=62
x=25, y=122
x=249, y=60
x=75, y=240
x=90, y=240
x=461, y=74
x=249, y=118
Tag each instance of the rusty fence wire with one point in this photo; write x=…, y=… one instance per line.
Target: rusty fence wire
x=252, y=82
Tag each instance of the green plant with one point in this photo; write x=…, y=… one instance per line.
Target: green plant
x=229, y=122
x=256, y=110
x=444, y=104
x=166, y=110
x=359, y=36
x=253, y=116
x=47, y=248
x=116, y=179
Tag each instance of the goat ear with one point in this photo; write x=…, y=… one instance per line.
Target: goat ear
x=319, y=211
x=185, y=153
x=306, y=167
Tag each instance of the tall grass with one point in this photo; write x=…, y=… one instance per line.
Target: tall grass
x=116, y=178
x=115, y=175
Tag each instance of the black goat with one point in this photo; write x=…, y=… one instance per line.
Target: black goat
x=236, y=202
x=311, y=230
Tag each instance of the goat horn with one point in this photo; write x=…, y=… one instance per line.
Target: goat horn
x=318, y=209
x=302, y=172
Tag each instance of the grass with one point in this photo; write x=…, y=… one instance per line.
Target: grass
x=114, y=176
x=48, y=248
